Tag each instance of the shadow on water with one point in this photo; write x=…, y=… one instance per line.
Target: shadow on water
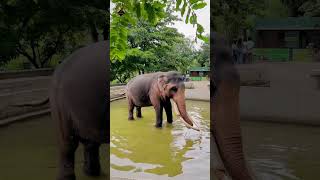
x=140, y=150
x=28, y=151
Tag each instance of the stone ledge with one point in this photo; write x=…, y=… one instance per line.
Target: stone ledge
x=22, y=117
x=26, y=73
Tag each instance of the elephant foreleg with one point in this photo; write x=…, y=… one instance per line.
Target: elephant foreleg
x=159, y=113
x=168, y=109
x=158, y=107
x=91, y=158
x=139, y=115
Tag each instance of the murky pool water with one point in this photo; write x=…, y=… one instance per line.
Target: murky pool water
x=28, y=151
x=274, y=151
x=139, y=150
x=282, y=151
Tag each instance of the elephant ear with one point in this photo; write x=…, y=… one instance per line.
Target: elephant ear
x=162, y=83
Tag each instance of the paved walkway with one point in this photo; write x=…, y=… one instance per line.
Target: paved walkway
x=201, y=91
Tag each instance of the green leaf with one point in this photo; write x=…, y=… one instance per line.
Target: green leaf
x=193, y=1
x=138, y=9
x=188, y=14
x=183, y=8
x=203, y=38
x=193, y=19
x=199, y=5
x=178, y=4
x=200, y=28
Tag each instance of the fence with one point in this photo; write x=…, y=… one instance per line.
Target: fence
x=283, y=54
x=198, y=78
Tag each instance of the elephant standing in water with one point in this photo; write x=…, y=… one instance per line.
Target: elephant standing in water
x=156, y=89
x=79, y=104
x=225, y=116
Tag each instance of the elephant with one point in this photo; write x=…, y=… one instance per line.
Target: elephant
x=79, y=105
x=225, y=115
x=156, y=89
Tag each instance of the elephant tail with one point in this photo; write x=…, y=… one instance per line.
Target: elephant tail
x=40, y=103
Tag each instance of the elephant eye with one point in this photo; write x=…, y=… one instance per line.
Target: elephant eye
x=174, y=89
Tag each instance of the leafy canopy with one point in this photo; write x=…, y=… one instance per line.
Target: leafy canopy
x=127, y=13
x=154, y=48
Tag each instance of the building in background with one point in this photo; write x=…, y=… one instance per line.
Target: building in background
x=199, y=73
x=291, y=32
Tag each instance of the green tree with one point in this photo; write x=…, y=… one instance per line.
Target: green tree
x=233, y=17
x=293, y=6
x=40, y=29
x=203, y=57
x=128, y=12
x=310, y=8
x=154, y=48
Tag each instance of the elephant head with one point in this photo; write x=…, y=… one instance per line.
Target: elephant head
x=171, y=85
x=225, y=116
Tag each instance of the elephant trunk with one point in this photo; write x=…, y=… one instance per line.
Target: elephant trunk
x=179, y=99
x=226, y=123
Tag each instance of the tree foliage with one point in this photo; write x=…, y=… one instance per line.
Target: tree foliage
x=293, y=6
x=310, y=8
x=40, y=29
x=303, y=7
x=128, y=12
x=154, y=48
x=232, y=17
x=203, y=55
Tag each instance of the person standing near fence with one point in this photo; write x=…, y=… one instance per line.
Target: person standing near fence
x=234, y=53
x=240, y=49
x=249, y=46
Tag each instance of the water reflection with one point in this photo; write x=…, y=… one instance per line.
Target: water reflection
x=137, y=147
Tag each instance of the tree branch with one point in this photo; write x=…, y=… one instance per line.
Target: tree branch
x=25, y=54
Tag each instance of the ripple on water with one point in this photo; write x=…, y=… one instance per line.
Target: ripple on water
x=171, y=152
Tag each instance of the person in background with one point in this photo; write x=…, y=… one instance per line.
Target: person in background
x=249, y=46
x=234, y=49
x=240, y=49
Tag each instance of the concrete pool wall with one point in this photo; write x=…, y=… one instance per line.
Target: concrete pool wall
x=293, y=95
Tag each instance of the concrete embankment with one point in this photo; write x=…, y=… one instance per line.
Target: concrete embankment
x=23, y=87
x=293, y=95
x=19, y=87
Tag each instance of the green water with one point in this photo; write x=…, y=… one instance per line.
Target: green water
x=139, y=150
x=28, y=151
x=282, y=151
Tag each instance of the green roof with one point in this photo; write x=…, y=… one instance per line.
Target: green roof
x=199, y=69
x=290, y=23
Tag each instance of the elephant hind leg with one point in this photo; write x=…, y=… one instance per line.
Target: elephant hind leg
x=67, y=158
x=130, y=108
x=139, y=115
x=91, y=158
x=68, y=141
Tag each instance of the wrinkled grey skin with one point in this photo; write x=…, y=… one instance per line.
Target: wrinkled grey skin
x=225, y=115
x=156, y=89
x=79, y=104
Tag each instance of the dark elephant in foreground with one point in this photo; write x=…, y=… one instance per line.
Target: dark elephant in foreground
x=156, y=89
x=225, y=115
x=79, y=104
